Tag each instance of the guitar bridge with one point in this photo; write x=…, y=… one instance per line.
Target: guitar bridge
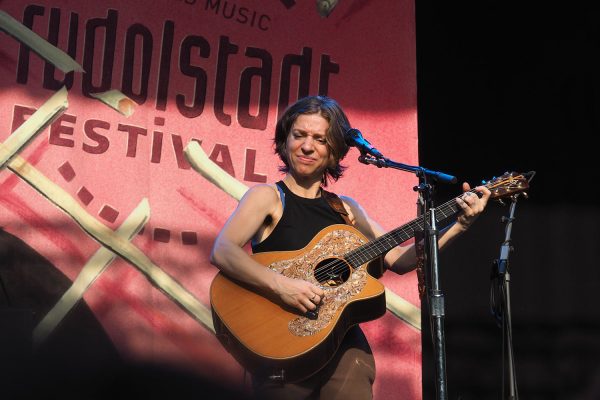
x=313, y=314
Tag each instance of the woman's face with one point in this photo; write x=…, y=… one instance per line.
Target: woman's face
x=307, y=150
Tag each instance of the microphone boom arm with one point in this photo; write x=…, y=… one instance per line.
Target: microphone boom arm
x=383, y=162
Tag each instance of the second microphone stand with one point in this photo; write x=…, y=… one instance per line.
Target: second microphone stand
x=500, y=304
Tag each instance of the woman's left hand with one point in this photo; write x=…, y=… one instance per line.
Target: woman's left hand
x=471, y=204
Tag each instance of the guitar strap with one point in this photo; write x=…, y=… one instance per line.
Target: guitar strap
x=336, y=204
x=376, y=267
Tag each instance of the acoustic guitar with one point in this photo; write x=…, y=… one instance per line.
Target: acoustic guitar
x=270, y=339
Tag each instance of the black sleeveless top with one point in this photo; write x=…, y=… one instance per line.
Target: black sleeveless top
x=302, y=219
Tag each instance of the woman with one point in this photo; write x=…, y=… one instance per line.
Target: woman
x=309, y=139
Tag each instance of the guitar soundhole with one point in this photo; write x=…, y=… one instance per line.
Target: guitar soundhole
x=332, y=272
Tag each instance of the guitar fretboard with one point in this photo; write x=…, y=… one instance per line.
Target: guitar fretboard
x=393, y=238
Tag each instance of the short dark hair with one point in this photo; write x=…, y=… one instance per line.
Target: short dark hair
x=338, y=125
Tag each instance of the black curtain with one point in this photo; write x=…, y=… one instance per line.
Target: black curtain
x=515, y=86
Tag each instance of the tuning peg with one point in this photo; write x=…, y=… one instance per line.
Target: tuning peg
x=501, y=202
x=526, y=195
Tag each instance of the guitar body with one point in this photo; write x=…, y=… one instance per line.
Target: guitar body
x=268, y=338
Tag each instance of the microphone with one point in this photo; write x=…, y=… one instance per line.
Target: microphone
x=354, y=138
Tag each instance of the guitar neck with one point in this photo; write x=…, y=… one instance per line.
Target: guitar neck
x=509, y=184
x=393, y=238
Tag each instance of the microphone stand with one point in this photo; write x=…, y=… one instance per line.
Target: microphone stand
x=435, y=295
x=382, y=162
x=501, y=310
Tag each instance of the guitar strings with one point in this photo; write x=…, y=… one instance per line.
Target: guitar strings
x=364, y=253
x=358, y=255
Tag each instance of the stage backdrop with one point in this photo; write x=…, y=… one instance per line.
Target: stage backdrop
x=153, y=87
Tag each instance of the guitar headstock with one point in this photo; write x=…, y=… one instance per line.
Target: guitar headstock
x=509, y=184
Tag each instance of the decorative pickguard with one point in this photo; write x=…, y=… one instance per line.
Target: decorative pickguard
x=335, y=244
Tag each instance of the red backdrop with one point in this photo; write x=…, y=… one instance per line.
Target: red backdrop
x=217, y=72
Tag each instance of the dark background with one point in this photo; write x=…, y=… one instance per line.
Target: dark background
x=515, y=86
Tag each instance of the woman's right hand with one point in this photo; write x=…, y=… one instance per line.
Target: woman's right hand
x=297, y=293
